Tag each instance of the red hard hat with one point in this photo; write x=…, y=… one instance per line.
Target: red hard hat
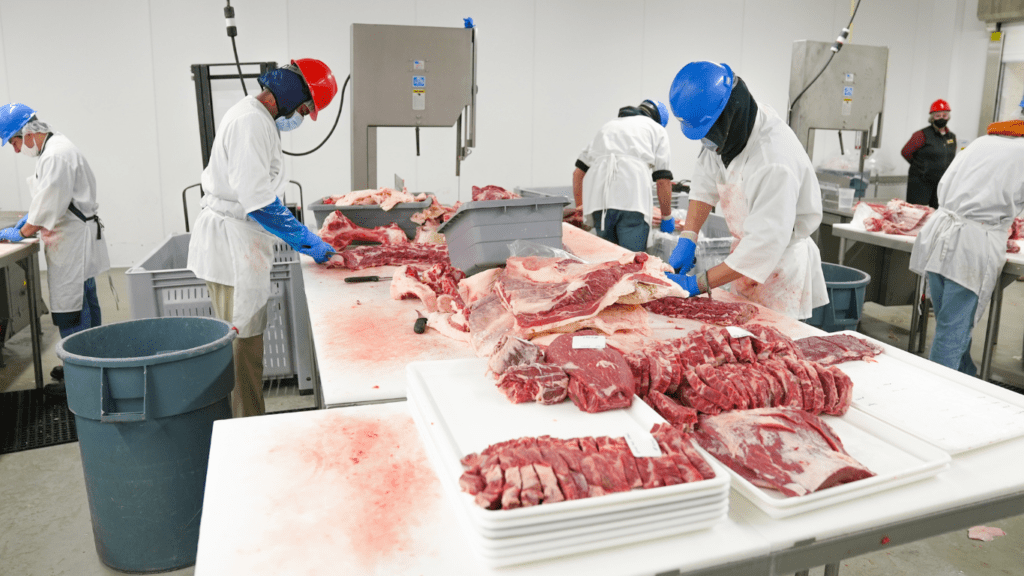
x=321, y=82
x=939, y=105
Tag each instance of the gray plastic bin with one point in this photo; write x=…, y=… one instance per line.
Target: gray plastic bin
x=478, y=234
x=160, y=286
x=548, y=192
x=145, y=394
x=371, y=216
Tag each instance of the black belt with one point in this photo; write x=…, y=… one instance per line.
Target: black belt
x=99, y=225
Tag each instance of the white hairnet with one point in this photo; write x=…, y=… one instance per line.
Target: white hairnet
x=34, y=126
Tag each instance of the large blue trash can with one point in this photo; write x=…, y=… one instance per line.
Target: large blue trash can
x=846, y=287
x=145, y=395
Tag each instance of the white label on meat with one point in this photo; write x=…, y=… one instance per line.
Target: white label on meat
x=588, y=342
x=642, y=445
x=738, y=332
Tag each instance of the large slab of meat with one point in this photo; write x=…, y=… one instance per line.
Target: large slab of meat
x=360, y=257
x=385, y=197
x=436, y=285
x=836, y=348
x=339, y=232
x=493, y=193
x=783, y=449
x=704, y=310
x=545, y=470
x=897, y=217
x=599, y=378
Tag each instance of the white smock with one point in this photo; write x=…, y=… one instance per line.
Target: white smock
x=771, y=201
x=245, y=173
x=979, y=196
x=622, y=158
x=73, y=252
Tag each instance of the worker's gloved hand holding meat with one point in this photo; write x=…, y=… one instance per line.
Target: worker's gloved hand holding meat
x=689, y=283
x=11, y=234
x=21, y=222
x=684, y=255
x=668, y=225
x=277, y=220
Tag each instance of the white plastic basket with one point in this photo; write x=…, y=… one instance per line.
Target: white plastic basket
x=161, y=286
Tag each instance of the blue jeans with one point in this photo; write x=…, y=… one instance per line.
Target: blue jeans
x=627, y=229
x=88, y=317
x=954, y=320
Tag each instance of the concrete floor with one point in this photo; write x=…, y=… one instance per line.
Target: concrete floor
x=48, y=530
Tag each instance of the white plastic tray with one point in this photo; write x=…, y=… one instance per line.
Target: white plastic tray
x=463, y=412
x=896, y=458
x=952, y=410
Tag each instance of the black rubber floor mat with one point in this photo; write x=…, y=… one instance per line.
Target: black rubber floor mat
x=34, y=419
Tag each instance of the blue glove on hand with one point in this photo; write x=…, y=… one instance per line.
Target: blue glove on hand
x=689, y=283
x=11, y=235
x=668, y=224
x=21, y=222
x=281, y=223
x=684, y=255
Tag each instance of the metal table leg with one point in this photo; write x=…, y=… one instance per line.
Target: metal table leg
x=995, y=309
x=842, y=250
x=832, y=569
x=915, y=320
x=31, y=266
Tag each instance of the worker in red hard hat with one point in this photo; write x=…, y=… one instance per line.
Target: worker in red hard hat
x=930, y=150
x=242, y=217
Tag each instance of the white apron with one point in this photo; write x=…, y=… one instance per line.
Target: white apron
x=618, y=182
x=73, y=255
x=229, y=251
x=793, y=288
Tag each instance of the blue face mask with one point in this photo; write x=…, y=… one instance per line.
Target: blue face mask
x=711, y=146
x=290, y=123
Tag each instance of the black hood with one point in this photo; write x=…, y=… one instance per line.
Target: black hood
x=732, y=129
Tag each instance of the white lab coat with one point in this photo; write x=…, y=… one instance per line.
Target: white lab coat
x=245, y=173
x=622, y=158
x=979, y=196
x=771, y=201
x=73, y=253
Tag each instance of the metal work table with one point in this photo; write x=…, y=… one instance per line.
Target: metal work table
x=26, y=255
x=1013, y=268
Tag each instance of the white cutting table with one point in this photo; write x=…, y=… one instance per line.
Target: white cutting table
x=1013, y=268
x=363, y=339
x=26, y=255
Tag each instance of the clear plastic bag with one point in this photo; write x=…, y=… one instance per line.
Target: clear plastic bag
x=524, y=248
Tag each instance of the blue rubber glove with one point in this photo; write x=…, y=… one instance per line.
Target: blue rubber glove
x=689, y=283
x=11, y=235
x=21, y=222
x=277, y=220
x=668, y=224
x=684, y=255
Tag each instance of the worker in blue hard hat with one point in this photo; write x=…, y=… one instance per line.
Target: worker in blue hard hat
x=64, y=210
x=962, y=247
x=613, y=175
x=753, y=167
x=232, y=246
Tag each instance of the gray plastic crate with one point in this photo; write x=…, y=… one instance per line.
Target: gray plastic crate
x=371, y=216
x=478, y=234
x=161, y=286
x=548, y=192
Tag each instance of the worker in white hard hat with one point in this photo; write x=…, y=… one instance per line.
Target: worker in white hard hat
x=64, y=210
x=962, y=246
x=755, y=169
x=232, y=247
x=613, y=175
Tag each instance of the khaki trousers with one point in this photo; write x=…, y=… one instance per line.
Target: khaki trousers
x=247, y=396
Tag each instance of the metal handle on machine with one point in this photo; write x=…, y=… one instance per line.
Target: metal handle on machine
x=184, y=204
x=471, y=124
x=122, y=416
x=876, y=140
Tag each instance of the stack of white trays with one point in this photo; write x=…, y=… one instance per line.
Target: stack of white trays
x=459, y=411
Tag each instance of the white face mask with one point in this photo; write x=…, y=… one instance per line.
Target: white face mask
x=27, y=150
x=290, y=123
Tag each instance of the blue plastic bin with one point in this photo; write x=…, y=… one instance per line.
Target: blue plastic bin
x=145, y=395
x=846, y=288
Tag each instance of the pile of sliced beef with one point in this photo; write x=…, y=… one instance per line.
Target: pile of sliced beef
x=783, y=449
x=531, y=471
x=704, y=310
x=836, y=348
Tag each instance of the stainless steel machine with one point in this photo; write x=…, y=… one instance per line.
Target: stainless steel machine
x=410, y=76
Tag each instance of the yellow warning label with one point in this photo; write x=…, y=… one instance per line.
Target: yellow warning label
x=995, y=36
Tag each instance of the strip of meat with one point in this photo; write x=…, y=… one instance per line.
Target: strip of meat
x=704, y=310
x=702, y=397
x=676, y=414
x=719, y=339
x=716, y=381
x=790, y=383
x=844, y=390
x=622, y=459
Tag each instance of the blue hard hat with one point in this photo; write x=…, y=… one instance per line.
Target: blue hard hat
x=662, y=110
x=13, y=118
x=698, y=95
x=1022, y=102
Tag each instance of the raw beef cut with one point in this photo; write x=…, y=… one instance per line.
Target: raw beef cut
x=599, y=379
x=541, y=383
x=704, y=310
x=512, y=351
x=492, y=193
x=836, y=348
x=435, y=214
x=437, y=286
x=386, y=197
x=784, y=449
x=360, y=257
x=682, y=417
x=339, y=232
x=897, y=217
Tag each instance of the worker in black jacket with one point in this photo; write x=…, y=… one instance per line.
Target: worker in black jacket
x=930, y=150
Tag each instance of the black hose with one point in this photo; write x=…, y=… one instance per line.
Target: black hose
x=341, y=104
